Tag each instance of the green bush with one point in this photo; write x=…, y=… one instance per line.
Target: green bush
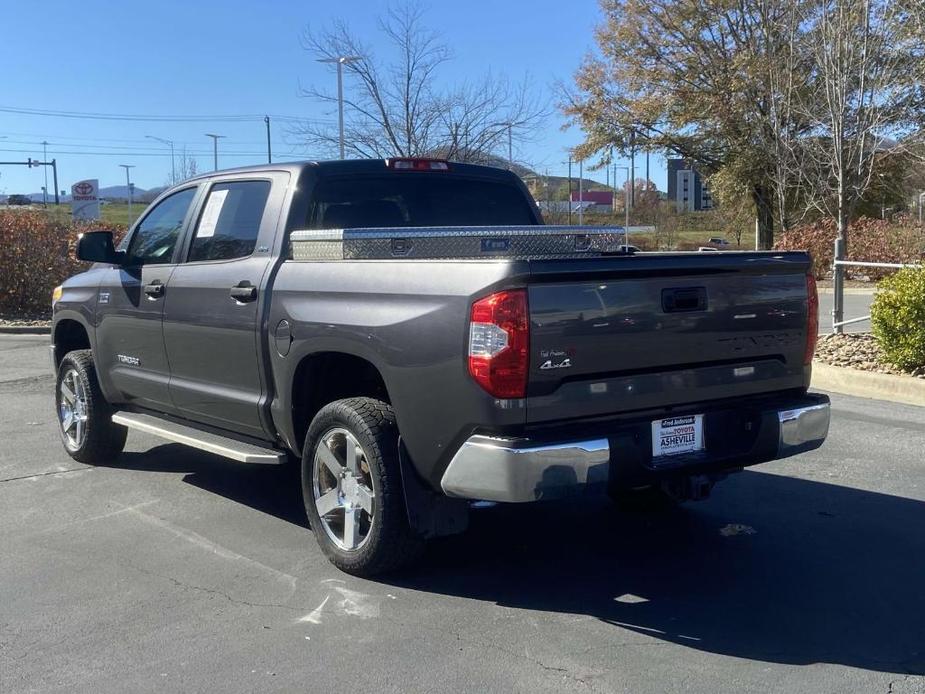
x=897, y=315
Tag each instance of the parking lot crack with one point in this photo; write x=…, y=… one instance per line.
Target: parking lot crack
x=892, y=683
x=525, y=656
x=210, y=591
x=45, y=474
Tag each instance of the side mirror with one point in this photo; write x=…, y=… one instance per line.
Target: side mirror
x=97, y=247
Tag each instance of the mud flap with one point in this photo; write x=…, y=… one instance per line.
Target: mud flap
x=429, y=514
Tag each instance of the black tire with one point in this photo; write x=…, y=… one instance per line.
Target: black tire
x=100, y=441
x=389, y=543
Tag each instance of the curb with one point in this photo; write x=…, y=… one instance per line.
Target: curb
x=24, y=330
x=857, y=291
x=865, y=384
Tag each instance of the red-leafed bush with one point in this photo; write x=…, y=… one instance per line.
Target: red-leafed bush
x=36, y=254
x=871, y=240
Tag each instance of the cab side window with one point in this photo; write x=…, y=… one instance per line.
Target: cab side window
x=230, y=221
x=156, y=235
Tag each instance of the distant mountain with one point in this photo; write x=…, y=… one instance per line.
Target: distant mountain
x=121, y=192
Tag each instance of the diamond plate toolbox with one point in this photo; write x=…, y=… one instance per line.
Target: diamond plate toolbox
x=520, y=242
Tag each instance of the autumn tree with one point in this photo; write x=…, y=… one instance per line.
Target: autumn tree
x=398, y=106
x=691, y=77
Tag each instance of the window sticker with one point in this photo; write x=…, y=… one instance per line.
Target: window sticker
x=210, y=215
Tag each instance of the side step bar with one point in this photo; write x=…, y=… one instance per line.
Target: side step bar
x=205, y=441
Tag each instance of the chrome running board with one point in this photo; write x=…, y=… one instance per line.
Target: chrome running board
x=204, y=441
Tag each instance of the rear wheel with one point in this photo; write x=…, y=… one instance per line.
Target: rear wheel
x=84, y=416
x=351, y=486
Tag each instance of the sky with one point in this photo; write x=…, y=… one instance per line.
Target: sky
x=237, y=57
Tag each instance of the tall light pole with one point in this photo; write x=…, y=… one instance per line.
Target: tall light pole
x=173, y=164
x=568, y=196
x=626, y=203
x=510, y=148
x=215, y=139
x=581, y=195
x=128, y=190
x=44, y=159
x=340, y=61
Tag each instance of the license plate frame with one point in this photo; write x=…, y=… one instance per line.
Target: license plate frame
x=673, y=436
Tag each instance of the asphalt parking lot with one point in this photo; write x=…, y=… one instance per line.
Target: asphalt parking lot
x=173, y=570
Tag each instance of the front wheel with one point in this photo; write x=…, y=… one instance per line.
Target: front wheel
x=84, y=416
x=352, y=489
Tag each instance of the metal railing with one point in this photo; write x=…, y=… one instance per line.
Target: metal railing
x=838, y=280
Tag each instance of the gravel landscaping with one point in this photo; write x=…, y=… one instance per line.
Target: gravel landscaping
x=24, y=322
x=857, y=351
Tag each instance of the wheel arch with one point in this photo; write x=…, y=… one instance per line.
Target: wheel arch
x=67, y=335
x=323, y=377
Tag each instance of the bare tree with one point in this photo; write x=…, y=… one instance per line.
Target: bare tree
x=396, y=108
x=187, y=167
x=865, y=95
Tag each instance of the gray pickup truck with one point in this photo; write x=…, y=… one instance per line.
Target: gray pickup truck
x=411, y=332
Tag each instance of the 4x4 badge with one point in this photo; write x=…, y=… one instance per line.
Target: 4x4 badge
x=550, y=364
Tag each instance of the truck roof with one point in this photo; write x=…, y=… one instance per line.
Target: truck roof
x=360, y=166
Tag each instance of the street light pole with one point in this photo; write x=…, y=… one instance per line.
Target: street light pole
x=510, y=148
x=581, y=176
x=173, y=164
x=568, y=196
x=340, y=61
x=128, y=190
x=215, y=139
x=626, y=204
x=266, y=119
x=44, y=159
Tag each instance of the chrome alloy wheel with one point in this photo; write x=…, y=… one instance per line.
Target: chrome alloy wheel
x=72, y=409
x=342, y=487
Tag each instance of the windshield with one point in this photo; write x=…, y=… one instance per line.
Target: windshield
x=416, y=200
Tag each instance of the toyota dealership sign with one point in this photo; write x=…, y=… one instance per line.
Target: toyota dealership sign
x=85, y=201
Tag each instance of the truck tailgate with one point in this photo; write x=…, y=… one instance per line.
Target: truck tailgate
x=629, y=333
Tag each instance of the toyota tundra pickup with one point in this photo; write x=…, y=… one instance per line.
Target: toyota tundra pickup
x=411, y=332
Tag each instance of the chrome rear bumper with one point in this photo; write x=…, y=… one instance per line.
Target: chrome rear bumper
x=802, y=429
x=496, y=469
x=520, y=470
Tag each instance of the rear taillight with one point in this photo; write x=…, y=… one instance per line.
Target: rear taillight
x=812, y=319
x=499, y=343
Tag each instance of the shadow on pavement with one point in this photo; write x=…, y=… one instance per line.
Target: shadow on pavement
x=771, y=568
x=272, y=489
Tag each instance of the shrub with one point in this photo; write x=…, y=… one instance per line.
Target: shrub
x=36, y=254
x=872, y=240
x=897, y=315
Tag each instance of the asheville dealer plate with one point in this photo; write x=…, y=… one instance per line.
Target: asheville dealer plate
x=677, y=435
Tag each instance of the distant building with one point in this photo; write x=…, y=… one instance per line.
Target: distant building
x=598, y=197
x=686, y=188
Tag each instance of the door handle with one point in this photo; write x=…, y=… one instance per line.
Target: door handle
x=155, y=289
x=244, y=291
